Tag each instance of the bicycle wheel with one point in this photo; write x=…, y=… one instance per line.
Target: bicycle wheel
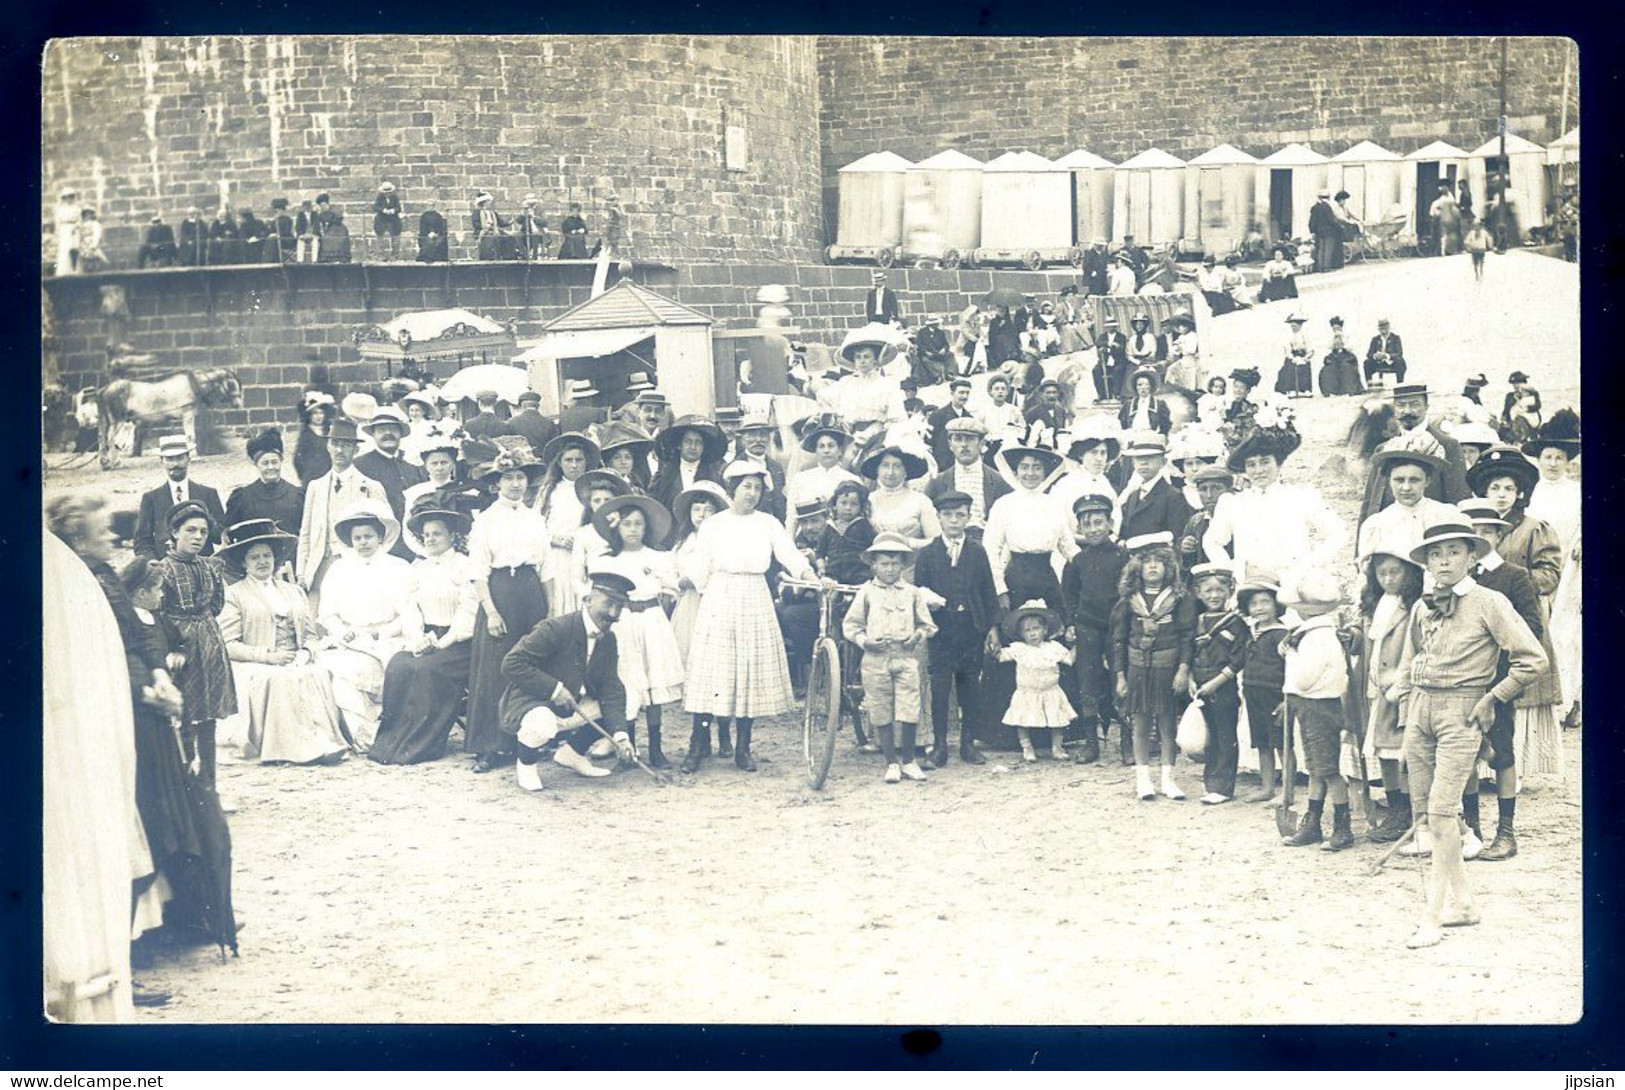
x=821, y=720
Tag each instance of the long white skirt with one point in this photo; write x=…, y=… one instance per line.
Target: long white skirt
x=563, y=593
x=651, y=666
x=358, y=686
x=289, y=713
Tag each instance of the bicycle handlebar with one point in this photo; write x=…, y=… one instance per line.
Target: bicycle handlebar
x=839, y=588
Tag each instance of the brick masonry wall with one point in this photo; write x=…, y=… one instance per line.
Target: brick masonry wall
x=1120, y=96
x=144, y=124
x=283, y=335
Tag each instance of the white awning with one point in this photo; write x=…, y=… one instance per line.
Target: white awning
x=583, y=343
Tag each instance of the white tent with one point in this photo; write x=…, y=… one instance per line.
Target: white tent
x=1092, y=178
x=942, y=205
x=1148, y=198
x=871, y=201
x=1289, y=181
x=1563, y=160
x=1372, y=175
x=1527, y=177
x=1428, y=166
x=1026, y=205
x=1220, y=190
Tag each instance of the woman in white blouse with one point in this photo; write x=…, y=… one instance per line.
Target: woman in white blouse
x=1029, y=532
x=511, y=551
x=284, y=696
x=1093, y=449
x=425, y=684
x=894, y=507
x=816, y=483
x=440, y=462
x=736, y=664
x=567, y=457
x=362, y=604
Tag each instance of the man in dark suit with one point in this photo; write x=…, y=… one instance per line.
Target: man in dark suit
x=279, y=242
x=194, y=238
x=751, y=444
x=486, y=424
x=1327, y=230
x=931, y=344
x=968, y=473
x=562, y=672
x=1150, y=503
x=1045, y=415
x=1096, y=262
x=881, y=304
x=152, y=521
x=528, y=422
x=386, y=466
x=1385, y=356
x=955, y=567
x=937, y=422
x=158, y=251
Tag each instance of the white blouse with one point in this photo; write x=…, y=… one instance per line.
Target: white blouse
x=863, y=398
x=653, y=572
x=508, y=535
x=442, y=594
x=1270, y=530
x=1026, y=522
x=735, y=544
x=904, y=511
x=370, y=595
x=563, y=513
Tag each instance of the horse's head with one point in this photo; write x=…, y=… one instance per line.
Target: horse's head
x=221, y=387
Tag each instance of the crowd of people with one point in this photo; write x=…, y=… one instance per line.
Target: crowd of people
x=316, y=232
x=1048, y=577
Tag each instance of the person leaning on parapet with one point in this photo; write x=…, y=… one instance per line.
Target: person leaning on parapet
x=573, y=229
x=432, y=243
x=158, y=249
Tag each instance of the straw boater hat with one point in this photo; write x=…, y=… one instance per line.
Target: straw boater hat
x=1162, y=538
x=831, y=428
x=656, y=519
x=755, y=420
x=1482, y=512
x=601, y=478
x=315, y=399
x=913, y=464
x=364, y=510
x=1450, y=531
x=385, y=416
x=253, y=532
x=1195, y=442
x=638, y=381
x=387, y=187
x=1314, y=594
x=650, y=396
x=580, y=389
x=559, y=443
x=710, y=491
x=1011, y=457
x=1144, y=444
x=875, y=336
x=1503, y=462
x=482, y=197
x=172, y=446
x=1033, y=608
x=669, y=440
x=889, y=544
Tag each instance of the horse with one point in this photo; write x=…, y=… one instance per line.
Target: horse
x=124, y=404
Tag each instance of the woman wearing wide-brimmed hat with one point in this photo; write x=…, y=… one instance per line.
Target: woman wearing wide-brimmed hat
x=826, y=441
x=1141, y=409
x=440, y=452
x=625, y=449
x=362, y=606
x=1506, y=478
x=269, y=496
x=424, y=686
x=1296, y=377
x=310, y=456
x=267, y=624
x=1556, y=496
x=511, y=552
x=894, y=507
x=1270, y=525
x=736, y=665
x=866, y=400
x=690, y=451
x=1028, y=528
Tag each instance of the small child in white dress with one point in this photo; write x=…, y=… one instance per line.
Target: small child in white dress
x=1038, y=703
x=651, y=665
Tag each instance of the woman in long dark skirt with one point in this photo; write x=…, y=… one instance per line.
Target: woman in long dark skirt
x=425, y=685
x=509, y=549
x=194, y=595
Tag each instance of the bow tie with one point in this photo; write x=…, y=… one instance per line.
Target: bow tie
x=1443, y=602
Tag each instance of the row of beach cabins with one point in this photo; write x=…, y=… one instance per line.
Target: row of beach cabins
x=1023, y=208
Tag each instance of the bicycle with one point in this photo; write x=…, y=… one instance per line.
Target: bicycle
x=833, y=686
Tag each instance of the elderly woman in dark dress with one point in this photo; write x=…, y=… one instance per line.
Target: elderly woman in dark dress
x=425, y=684
x=194, y=595
x=268, y=497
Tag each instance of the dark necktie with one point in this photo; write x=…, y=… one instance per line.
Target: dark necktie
x=1443, y=602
